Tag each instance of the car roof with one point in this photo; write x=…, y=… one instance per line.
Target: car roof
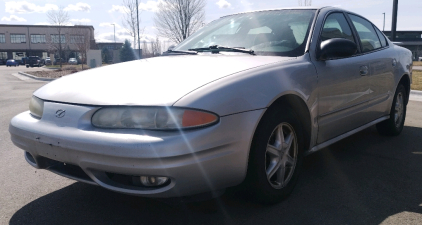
x=276, y=9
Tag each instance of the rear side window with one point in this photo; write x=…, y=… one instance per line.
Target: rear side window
x=336, y=26
x=381, y=37
x=367, y=34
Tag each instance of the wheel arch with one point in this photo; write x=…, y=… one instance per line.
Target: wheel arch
x=301, y=111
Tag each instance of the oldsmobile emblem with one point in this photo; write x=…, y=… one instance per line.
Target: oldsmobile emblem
x=60, y=113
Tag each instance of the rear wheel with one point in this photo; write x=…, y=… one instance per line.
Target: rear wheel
x=276, y=157
x=394, y=125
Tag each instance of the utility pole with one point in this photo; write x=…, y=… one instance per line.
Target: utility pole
x=394, y=22
x=383, y=25
x=139, y=38
x=114, y=25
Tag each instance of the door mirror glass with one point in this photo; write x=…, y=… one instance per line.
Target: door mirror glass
x=337, y=48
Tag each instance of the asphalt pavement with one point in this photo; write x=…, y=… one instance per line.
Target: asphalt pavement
x=364, y=179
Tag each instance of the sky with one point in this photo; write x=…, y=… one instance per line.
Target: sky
x=101, y=14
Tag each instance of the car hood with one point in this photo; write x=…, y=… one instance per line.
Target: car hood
x=159, y=81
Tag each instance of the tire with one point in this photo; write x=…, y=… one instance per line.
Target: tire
x=394, y=125
x=259, y=183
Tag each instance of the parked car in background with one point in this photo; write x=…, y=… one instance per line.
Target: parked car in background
x=33, y=61
x=48, y=61
x=239, y=103
x=3, y=61
x=12, y=62
x=24, y=60
x=73, y=61
x=57, y=61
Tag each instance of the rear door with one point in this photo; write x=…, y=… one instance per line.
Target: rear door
x=381, y=61
x=343, y=91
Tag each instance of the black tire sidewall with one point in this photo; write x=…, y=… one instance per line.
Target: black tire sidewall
x=397, y=130
x=257, y=181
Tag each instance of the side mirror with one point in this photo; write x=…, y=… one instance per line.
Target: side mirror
x=336, y=48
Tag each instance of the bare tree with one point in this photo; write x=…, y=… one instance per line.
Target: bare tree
x=130, y=20
x=59, y=18
x=145, y=52
x=81, y=38
x=156, y=47
x=178, y=19
x=305, y=2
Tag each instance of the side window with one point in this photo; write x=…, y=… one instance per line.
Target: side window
x=336, y=26
x=367, y=34
x=381, y=37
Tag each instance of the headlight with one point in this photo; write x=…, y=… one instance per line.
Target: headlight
x=36, y=107
x=155, y=118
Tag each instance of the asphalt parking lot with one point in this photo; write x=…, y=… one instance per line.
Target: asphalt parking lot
x=364, y=179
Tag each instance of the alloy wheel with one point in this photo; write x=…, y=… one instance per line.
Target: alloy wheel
x=281, y=155
x=399, y=109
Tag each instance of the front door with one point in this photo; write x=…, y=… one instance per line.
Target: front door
x=343, y=87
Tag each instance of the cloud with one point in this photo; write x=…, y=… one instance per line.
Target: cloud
x=81, y=7
x=80, y=20
x=42, y=23
x=13, y=18
x=22, y=7
x=246, y=3
x=121, y=36
x=148, y=6
x=223, y=4
x=109, y=25
x=117, y=8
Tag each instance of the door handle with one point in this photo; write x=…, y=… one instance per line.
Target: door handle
x=364, y=70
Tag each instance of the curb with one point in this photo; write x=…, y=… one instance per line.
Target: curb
x=417, y=93
x=415, y=96
x=35, y=77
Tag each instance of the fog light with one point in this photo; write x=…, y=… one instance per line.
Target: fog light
x=153, y=181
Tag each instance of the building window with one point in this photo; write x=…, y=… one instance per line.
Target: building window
x=37, y=38
x=78, y=39
x=3, y=55
x=18, y=38
x=110, y=47
x=2, y=38
x=55, y=38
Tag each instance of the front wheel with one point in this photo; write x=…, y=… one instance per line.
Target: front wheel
x=394, y=125
x=276, y=156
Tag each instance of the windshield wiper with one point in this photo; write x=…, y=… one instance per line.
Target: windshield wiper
x=190, y=52
x=216, y=49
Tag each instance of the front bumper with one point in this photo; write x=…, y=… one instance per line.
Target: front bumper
x=196, y=161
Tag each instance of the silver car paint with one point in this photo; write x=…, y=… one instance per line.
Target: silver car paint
x=237, y=87
x=198, y=161
x=160, y=82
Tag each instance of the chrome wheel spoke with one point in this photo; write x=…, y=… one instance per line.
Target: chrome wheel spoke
x=289, y=160
x=273, y=168
x=281, y=155
x=273, y=151
x=399, y=109
x=288, y=143
x=279, y=136
x=280, y=175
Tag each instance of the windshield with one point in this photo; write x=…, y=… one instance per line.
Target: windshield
x=280, y=32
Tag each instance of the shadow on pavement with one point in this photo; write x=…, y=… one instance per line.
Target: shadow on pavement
x=363, y=179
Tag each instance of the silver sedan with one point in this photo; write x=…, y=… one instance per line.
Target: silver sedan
x=239, y=103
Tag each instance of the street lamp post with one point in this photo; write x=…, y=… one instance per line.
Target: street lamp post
x=383, y=25
x=139, y=38
x=394, y=22
x=114, y=25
